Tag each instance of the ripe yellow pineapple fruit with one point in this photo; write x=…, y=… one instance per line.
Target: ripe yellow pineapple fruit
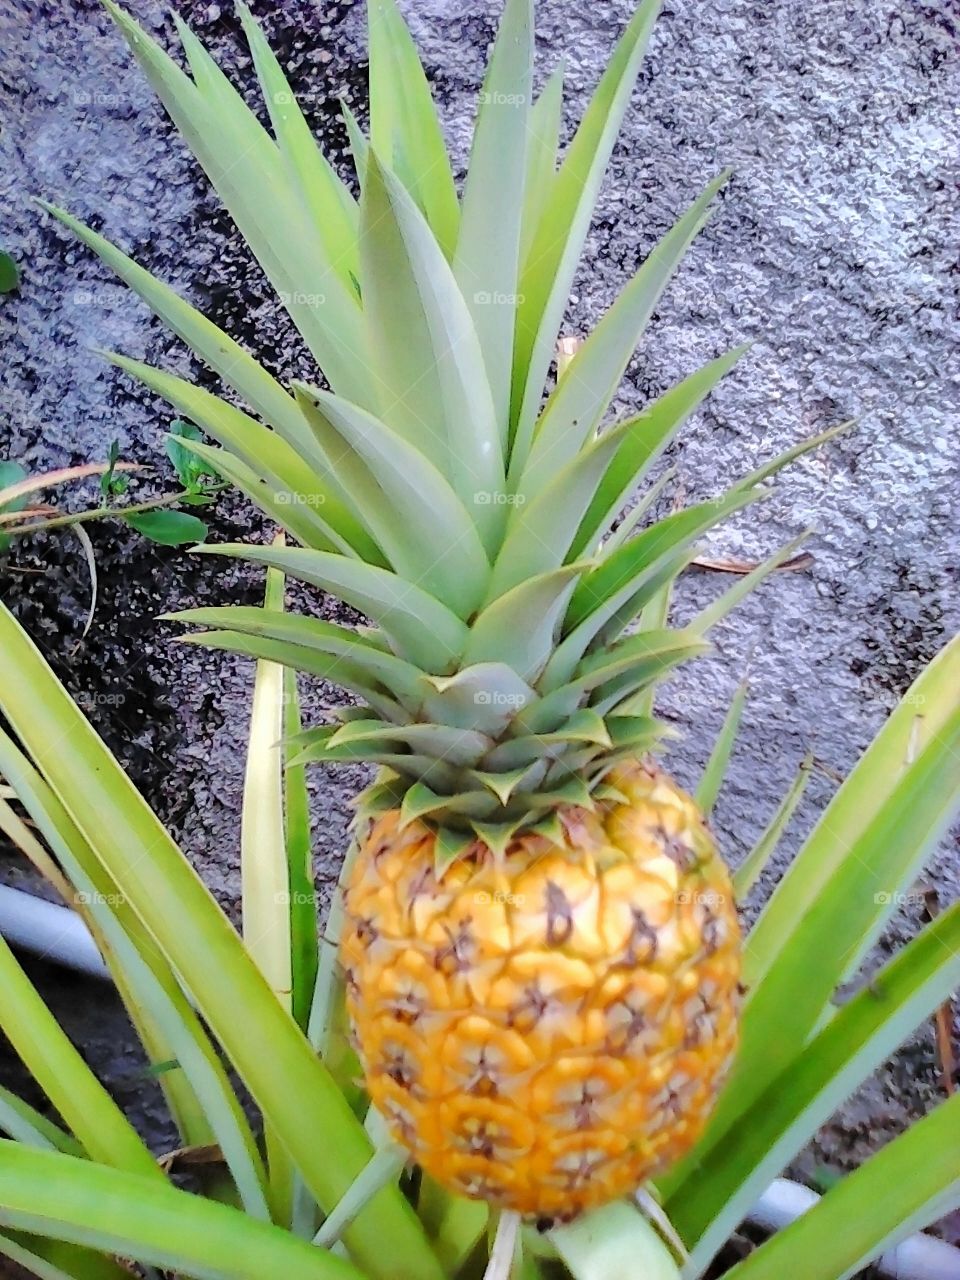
x=541, y=947
x=547, y=1028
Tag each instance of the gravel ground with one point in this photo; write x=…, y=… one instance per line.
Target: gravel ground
x=833, y=249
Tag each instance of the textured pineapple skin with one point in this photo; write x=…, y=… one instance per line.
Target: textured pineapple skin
x=548, y=1031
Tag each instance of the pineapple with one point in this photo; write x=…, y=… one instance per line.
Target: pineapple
x=547, y=1027
x=540, y=946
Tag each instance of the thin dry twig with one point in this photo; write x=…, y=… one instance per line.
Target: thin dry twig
x=943, y=1018
x=34, y=484
x=802, y=561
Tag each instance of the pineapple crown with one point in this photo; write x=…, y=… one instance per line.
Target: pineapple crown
x=429, y=485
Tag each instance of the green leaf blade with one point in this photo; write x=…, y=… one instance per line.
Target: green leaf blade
x=289, y=1084
x=645, y=440
x=907, y=1185
x=404, y=126
x=832, y=903
x=333, y=210
x=861, y=1035
x=131, y=1216
x=487, y=260
x=431, y=380
x=168, y=528
x=405, y=501
x=424, y=631
x=550, y=265
x=60, y=1071
x=582, y=396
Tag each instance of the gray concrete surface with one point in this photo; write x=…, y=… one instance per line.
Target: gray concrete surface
x=834, y=249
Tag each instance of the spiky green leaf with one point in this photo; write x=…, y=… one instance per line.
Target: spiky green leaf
x=404, y=127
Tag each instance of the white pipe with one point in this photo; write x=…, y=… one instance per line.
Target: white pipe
x=51, y=932
x=59, y=935
x=919, y=1257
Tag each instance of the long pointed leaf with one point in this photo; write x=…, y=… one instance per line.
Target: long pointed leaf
x=784, y=1119
x=263, y=855
x=284, y=465
x=623, y=573
x=132, y=1216
x=832, y=903
x=332, y=208
x=150, y=991
x=750, y=869
x=264, y=870
x=708, y=618
x=656, y=426
x=24, y=1124
x=299, y=849
x=403, y=122
x=296, y=518
x=551, y=263
x=617, y=570
x=487, y=261
x=768, y=469
x=226, y=357
x=326, y=666
x=246, y=168
x=426, y=359
x=415, y=515
x=582, y=396
x=539, y=533
x=545, y=120
x=404, y=680
x=94, y=895
x=63, y=1075
x=359, y=143
x=50, y=1259
x=716, y=768
x=423, y=630
x=289, y=1084
x=909, y=1184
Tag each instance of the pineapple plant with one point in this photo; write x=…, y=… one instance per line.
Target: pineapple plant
x=540, y=945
